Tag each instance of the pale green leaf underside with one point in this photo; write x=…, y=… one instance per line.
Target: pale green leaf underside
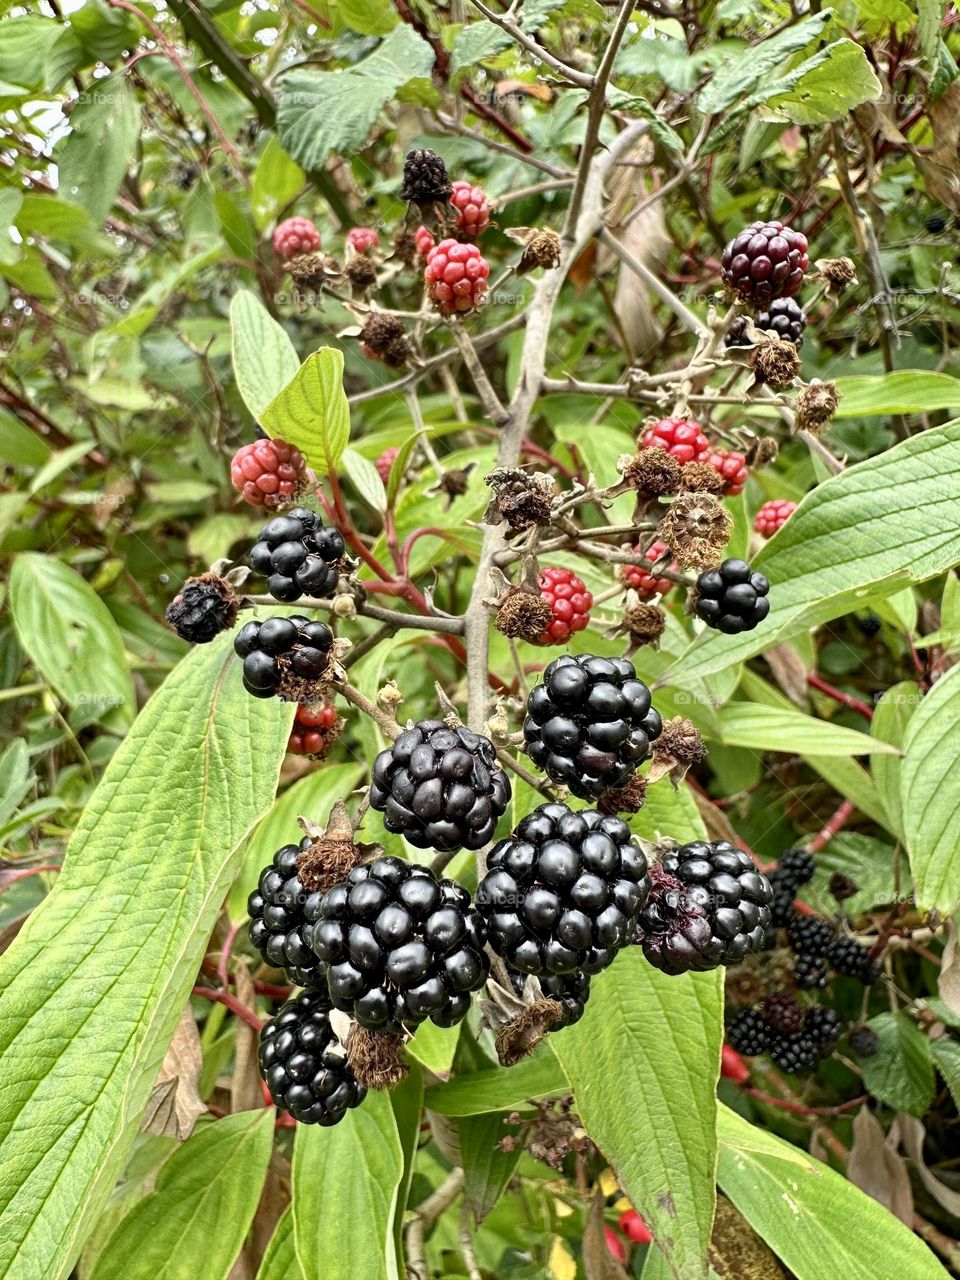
x=264, y=359
x=311, y=412
x=930, y=795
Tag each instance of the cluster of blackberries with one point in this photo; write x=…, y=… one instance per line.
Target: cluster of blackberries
x=795, y=1037
x=304, y=1064
x=276, y=911
x=283, y=656
x=784, y=317
x=732, y=598
x=709, y=906
x=298, y=555
x=440, y=788
x=590, y=723
x=562, y=893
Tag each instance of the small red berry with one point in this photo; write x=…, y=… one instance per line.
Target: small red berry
x=314, y=730
x=384, y=464
x=296, y=236
x=473, y=211
x=614, y=1244
x=268, y=472
x=681, y=437
x=362, y=239
x=456, y=276
x=643, y=580
x=766, y=260
x=425, y=241
x=773, y=515
x=732, y=466
x=733, y=1066
x=634, y=1227
x=570, y=601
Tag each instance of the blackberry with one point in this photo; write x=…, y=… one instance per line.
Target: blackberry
x=298, y=554
x=203, y=608
x=810, y=972
x=570, y=990
x=709, y=905
x=425, y=178
x=809, y=935
x=398, y=945
x=589, y=723
x=440, y=788
x=276, y=910
x=848, y=957
x=782, y=1013
x=285, y=657
x=736, y=335
x=766, y=260
x=784, y=316
x=304, y=1064
x=732, y=599
x=748, y=1033
x=794, y=1052
x=563, y=891
x=823, y=1027
x=936, y=223
x=796, y=867
x=781, y=904
x=863, y=1041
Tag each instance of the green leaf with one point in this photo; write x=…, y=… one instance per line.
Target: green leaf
x=742, y=72
x=900, y=1073
x=869, y=863
x=92, y=988
x=36, y=53
x=264, y=359
x=930, y=16
x=498, y=1090
x=15, y=778
x=71, y=638
x=906, y=391
x=930, y=795
x=946, y=1056
x=18, y=444
x=345, y=1182
x=370, y=17
x=320, y=112
x=203, y=1204
x=638, y=105
x=748, y=724
x=312, y=412
x=474, y=43
x=890, y=719
x=865, y=532
x=276, y=181
x=104, y=129
x=434, y=1047
x=48, y=216
x=486, y=1168
x=841, y=79
x=366, y=479
x=280, y=1260
x=821, y=1225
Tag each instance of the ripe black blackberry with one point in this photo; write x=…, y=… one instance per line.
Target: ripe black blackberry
x=304, y=1064
x=570, y=990
x=794, y=1052
x=709, y=905
x=782, y=1013
x=398, y=945
x=809, y=935
x=766, y=260
x=440, y=788
x=781, y=904
x=809, y=972
x=732, y=598
x=796, y=867
x=936, y=223
x=590, y=723
x=285, y=657
x=748, y=1033
x=822, y=1025
x=863, y=1041
x=562, y=892
x=784, y=316
x=848, y=957
x=276, y=910
x=298, y=555
x=425, y=178
x=203, y=608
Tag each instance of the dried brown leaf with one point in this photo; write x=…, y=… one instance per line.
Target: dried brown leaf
x=175, y=1102
x=876, y=1167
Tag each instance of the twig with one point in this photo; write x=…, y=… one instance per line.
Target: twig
x=424, y=1216
x=385, y=722
x=835, y=823
x=580, y=78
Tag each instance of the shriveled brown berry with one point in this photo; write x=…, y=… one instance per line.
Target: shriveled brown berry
x=763, y=451
x=775, y=362
x=203, y=608
x=816, y=405
x=837, y=272
x=696, y=528
x=701, y=477
x=405, y=246
x=384, y=338
x=652, y=472
x=520, y=498
x=522, y=615
x=313, y=270
x=542, y=249
x=362, y=274
x=626, y=799
x=645, y=623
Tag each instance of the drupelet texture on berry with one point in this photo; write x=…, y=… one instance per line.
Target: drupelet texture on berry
x=645, y=581
x=748, y=1033
x=280, y=654
x=304, y=1065
x=794, y=1052
x=456, y=276
x=425, y=178
x=440, y=788
x=363, y=239
x=384, y=464
x=425, y=241
x=398, y=945
x=773, y=515
x=570, y=603
x=822, y=1025
x=276, y=910
x=315, y=730
x=732, y=598
x=796, y=867
x=562, y=892
x=298, y=555
x=809, y=935
x=849, y=957
x=732, y=466
x=681, y=437
x=810, y=972
x=590, y=723
x=295, y=236
x=781, y=1012
x=269, y=472
x=765, y=261
x=473, y=210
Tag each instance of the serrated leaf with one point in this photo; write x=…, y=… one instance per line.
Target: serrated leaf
x=900, y=1073
x=366, y=479
x=929, y=18
x=946, y=1057
x=104, y=128
x=202, y=1206
x=747, y=724
x=862, y=533
x=474, y=42
x=347, y=1231
x=264, y=359
x=930, y=795
x=638, y=105
x=312, y=412
x=370, y=17
x=906, y=391
x=742, y=72
x=831, y=89
x=92, y=988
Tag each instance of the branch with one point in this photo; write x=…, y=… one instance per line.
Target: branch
x=424, y=1216
x=579, y=78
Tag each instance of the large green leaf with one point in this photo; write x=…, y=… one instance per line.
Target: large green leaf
x=930, y=795
x=92, y=989
x=312, y=411
x=821, y=1225
x=889, y=724
x=869, y=531
x=264, y=359
x=202, y=1206
x=280, y=1260
x=906, y=391
x=499, y=1089
x=747, y=724
x=643, y=1063
x=345, y=1182
x=104, y=128
x=71, y=638
x=837, y=80
x=900, y=1073
x=742, y=72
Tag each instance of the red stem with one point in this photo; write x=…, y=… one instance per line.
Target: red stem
x=232, y=1003
x=835, y=823
x=800, y=1109
x=845, y=699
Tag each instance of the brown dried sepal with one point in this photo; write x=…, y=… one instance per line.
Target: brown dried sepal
x=332, y=853
x=310, y=690
x=816, y=405
x=313, y=270
x=362, y=274
x=838, y=273
x=700, y=477
x=522, y=499
x=525, y=1031
x=626, y=799
x=522, y=615
x=775, y=362
x=652, y=472
x=386, y=338
x=696, y=528
x=762, y=452
x=678, y=747
x=644, y=624
x=540, y=249
x=376, y=1058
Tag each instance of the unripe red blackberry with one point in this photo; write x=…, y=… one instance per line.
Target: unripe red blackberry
x=276, y=910
x=748, y=1033
x=732, y=466
x=456, y=276
x=298, y=555
x=765, y=261
x=425, y=240
x=315, y=730
x=304, y=1064
x=362, y=239
x=269, y=472
x=590, y=723
x=398, y=945
x=384, y=464
x=570, y=603
x=732, y=1066
x=562, y=892
x=709, y=905
x=772, y=516
x=634, y=1227
x=681, y=437
x=440, y=788
x=283, y=657
x=645, y=581
x=202, y=608
x=732, y=598
x=473, y=211
x=295, y=236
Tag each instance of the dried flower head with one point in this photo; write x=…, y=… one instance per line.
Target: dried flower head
x=523, y=615
x=652, y=472
x=837, y=272
x=384, y=338
x=313, y=270
x=696, y=528
x=700, y=477
x=626, y=799
x=644, y=623
x=678, y=747
x=816, y=405
x=775, y=362
x=540, y=249
x=362, y=274
x=763, y=451
x=521, y=498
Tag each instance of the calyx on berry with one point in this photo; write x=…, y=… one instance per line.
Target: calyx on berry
x=289, y=658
